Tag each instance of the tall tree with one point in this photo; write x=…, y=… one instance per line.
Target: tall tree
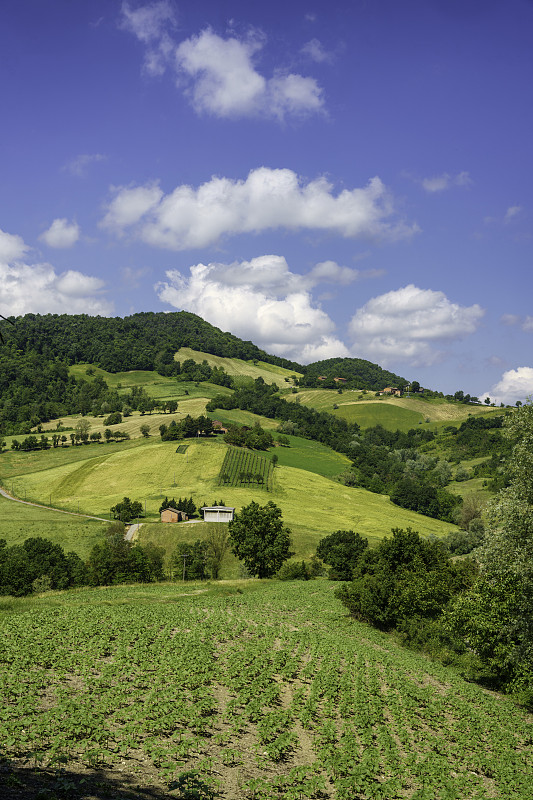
x=496, y=618
x=259, y=538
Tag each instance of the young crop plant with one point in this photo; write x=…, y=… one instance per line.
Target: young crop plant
x=258, y=692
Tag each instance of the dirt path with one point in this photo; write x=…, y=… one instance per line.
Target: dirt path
x=132, y=530
x=8, y=496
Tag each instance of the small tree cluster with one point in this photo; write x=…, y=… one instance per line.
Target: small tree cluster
x=38, y=565
x=127, y=510
x=255, y=438
x=404, y=582
x=116, y=560
x=186, y=428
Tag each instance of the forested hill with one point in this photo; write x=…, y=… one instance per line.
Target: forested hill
x=358, y=373
x=149, y=340
x=142, y=341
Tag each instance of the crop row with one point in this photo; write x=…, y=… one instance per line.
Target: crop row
x=243, y=467
x=274, y=685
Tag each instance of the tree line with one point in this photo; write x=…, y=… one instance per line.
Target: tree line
x=262, y=399
x=474, y=611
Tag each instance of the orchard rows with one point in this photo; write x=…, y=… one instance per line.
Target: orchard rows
x=269, y=694
x=244, y=467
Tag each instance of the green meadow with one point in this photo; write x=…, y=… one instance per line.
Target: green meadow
x=393, y=413
x=156, y=386
x=93, y=478
x=19, y=522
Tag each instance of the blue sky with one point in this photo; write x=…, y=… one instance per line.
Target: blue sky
x=322, y=178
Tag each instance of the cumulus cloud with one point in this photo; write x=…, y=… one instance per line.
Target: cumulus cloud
x=61, y=234
x=259, y=300
x=271, y=273
x=226, y=83
x=406, y=325
x=267, y=199
x=12, y=247
x=515, y=384
x=219, y=74
x=78, y=167
x=37, y=288
x=439, y=183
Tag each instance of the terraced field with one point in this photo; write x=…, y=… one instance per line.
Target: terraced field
x=248, y=691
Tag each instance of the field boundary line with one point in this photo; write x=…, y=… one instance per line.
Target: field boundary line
x=8, y=496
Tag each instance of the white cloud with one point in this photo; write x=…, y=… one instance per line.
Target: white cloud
x=38, y=289
x=219, y=74
x=61, y=234
x=12, y=247
x=315, y=50
x=271, y=273
x=259, y=300
x=515, y=384
x=440, y=183
x=79, y=166
x=526, y=323
x=149, y=24
x=267, y=199
x=405, y=325
x=130, y=204
x=226, y=83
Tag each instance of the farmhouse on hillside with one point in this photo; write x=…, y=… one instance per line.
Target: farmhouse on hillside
x=218, y=513
x=173, y=515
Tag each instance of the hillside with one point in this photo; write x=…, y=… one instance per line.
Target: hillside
x=243, y=691
x=94, y=478
x=142, y=341
x=394, y=413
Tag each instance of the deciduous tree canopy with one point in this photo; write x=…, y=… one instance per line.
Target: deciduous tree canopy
x=259, y=538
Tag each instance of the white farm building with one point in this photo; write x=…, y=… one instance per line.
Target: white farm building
x=218, y=513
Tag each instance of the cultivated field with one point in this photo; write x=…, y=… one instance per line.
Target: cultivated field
x=243, y=691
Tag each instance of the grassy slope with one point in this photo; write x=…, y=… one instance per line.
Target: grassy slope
x=19, y=522
x=235, y=366
x=146, y=470
x=132, y=424
x=157, y=386
x=393, y=413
